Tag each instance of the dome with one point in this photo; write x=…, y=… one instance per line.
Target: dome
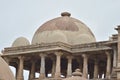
x=63, y=29
x=5, y=72
x=21, y=41
x=77, y=75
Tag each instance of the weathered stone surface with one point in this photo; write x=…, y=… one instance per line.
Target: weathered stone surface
x=63, y=29
x=5, y=72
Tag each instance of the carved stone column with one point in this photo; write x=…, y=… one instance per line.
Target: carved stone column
x=96, y=69
x=20, y=68
x=42, y=68
x=58, y=65
x=108, y=70
x=17, y=66
x=69, y=67
x=32, y=71
x=114, y=73
x=85, y=65
x=53, y=67
x=16, y=73
x=114, y=56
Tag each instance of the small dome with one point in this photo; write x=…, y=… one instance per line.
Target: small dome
x=77, y=75
x=63, y=29
x=5, y=72
x=21, y=41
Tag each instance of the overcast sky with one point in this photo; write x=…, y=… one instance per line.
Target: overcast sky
x=23, y=17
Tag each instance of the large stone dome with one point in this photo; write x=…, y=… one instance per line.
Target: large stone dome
x=5, y=72
x=63, y=29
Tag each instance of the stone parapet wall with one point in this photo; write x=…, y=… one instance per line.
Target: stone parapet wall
x=57, y=46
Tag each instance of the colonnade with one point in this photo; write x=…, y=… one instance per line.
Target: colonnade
x=56, y=66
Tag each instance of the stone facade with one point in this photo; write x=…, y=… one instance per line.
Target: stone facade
x=62, y=59
x=97, y=60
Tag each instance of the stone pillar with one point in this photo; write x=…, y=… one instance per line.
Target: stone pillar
x=85, y=65
x=108, y=68
x=42, y=68
x=53, y=67
x=17, y=66
x=20, y=68
x=58, y=64
x=114, y=56
x=96, y=69
x=69, y=67
x=118, y=56
x=114, y=74
x=16, y=72
x=32, y=71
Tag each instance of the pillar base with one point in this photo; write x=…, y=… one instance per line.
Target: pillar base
x=117, y=70
x=32, y=77
x=20, y=78
x=69, y=75
x=57, y=75
x=114, y=75
x=42, y=76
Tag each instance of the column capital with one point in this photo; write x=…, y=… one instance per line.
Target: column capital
x=69, y=57
x=42, y=55
x=108, y=53
x=85, y=55
x=21, y=57
x=58, y=53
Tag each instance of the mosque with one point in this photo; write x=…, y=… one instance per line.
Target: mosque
x=58, y=48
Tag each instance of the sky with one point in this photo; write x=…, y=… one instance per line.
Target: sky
x=23, y=17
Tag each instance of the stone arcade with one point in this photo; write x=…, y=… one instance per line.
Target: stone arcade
x=62, y=45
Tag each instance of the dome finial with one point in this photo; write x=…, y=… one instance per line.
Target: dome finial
x=77, y=73
x=65, y=14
